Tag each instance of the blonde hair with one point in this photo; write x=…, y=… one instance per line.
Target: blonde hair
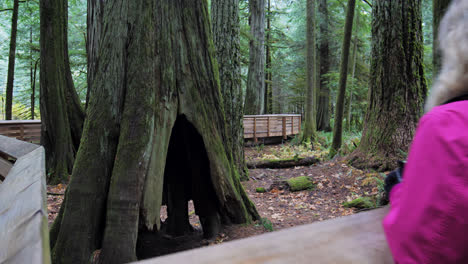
x=453, y=38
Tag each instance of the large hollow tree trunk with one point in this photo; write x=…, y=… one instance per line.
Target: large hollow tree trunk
x=397, y=84
x=155, y=101
x=323, y=104
x=309, y=132
x=438, y=10
x=11, y=62
x=225, y=17
x=254, y=98
x=339, y=109
x=61, y=112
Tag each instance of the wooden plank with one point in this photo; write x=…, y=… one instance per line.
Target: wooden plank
x=5, y=167
x=23, y=212
x=356, y=239
x=255, y=130
x=284, y=128
x=15, y=148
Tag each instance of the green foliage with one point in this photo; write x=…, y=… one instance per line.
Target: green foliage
x=300, y=183
x=260, y=190
x=267, y=224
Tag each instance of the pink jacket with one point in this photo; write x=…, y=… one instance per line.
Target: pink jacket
x=428, y=219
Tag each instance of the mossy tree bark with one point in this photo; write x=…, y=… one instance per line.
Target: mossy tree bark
x=339, y=110
x=154, y=134
x=254, y=98
x=309, y=132
x=353, y=72
x=438, y=10
x=268, y=97
x=397, y=84
x=11, y=62
x=225, y=17
x=323, y=104
x=61, y=112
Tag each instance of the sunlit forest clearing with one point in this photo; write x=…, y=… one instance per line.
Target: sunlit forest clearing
x=141, y=109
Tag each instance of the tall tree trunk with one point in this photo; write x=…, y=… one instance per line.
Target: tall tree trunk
x=156, y=104
x=11, y=62
x=309, y=132
x=323, y=105
x=397, y=84
x=268, y=81
x=61, y=112
x=33, y=92
x=356, y=39
x=225, y=17
x=339, y=110
x=32, y=71
x=438, y=10
x=94, y=30
x=254, y=98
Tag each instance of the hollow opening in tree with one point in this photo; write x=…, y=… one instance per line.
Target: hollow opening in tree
x=187, y=177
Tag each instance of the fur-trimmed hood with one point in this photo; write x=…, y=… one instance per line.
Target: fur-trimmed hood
x=453, y=38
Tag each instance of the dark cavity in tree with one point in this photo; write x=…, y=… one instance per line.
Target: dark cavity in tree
x=186, y=177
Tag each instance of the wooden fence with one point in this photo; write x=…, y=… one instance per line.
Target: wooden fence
x=24, y=234
x=265, y=126
x=26, y=130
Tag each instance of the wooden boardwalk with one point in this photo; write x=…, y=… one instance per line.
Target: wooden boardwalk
x=265, y=126
x=26, y=130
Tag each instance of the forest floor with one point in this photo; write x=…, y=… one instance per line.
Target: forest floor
x=334, y=182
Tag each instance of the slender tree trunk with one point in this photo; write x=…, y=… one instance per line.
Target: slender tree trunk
x=32, y=71
x=155, y=104
x=225, y=17
x=61, y=112
x=309, y=132
x=254, y=98
x=323, y=105
x=33, y=93
x=397, y=84
x=11, y=62
x=338, y=127
x=438, y=10
x=268, y=81
x=356, y=39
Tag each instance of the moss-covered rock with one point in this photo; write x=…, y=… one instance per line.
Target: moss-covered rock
x=360, y=203
x=299, y=183
x=260, y=190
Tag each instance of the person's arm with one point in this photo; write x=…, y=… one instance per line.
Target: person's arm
x=428, y=217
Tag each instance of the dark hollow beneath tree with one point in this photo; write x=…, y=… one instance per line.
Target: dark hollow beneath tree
x=153, y=135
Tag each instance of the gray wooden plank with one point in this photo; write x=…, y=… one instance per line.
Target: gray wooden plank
x=352, y=239
x=23, y=212
x=15, y=148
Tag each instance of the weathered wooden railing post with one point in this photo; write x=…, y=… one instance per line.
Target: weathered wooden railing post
x=24, y=234
x=285, y=136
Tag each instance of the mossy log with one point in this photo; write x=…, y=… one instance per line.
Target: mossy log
x=284, y=163
x=299, y=183
x=360, y=203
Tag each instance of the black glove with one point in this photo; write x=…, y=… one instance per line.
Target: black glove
x=393, y=178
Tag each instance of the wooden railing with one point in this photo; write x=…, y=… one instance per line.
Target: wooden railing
x=24, y=234
x=26, y=130
x=265, y=126
x=356, y=239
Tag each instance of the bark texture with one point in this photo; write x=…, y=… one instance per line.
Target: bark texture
x=11, y=62
x=309, y=132
x=156, y=104
x=268, y=71
x=254, y=98
x=225, y=17
x=323, y=104
x=438, y=10
x=397, y=84
x=61, y=112
x=339, y=110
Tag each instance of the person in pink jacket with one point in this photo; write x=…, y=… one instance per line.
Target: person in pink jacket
x=428, y=217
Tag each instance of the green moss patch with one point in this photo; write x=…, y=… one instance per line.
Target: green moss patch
x=360, y=203
x=260, y=190
x=300, y=183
